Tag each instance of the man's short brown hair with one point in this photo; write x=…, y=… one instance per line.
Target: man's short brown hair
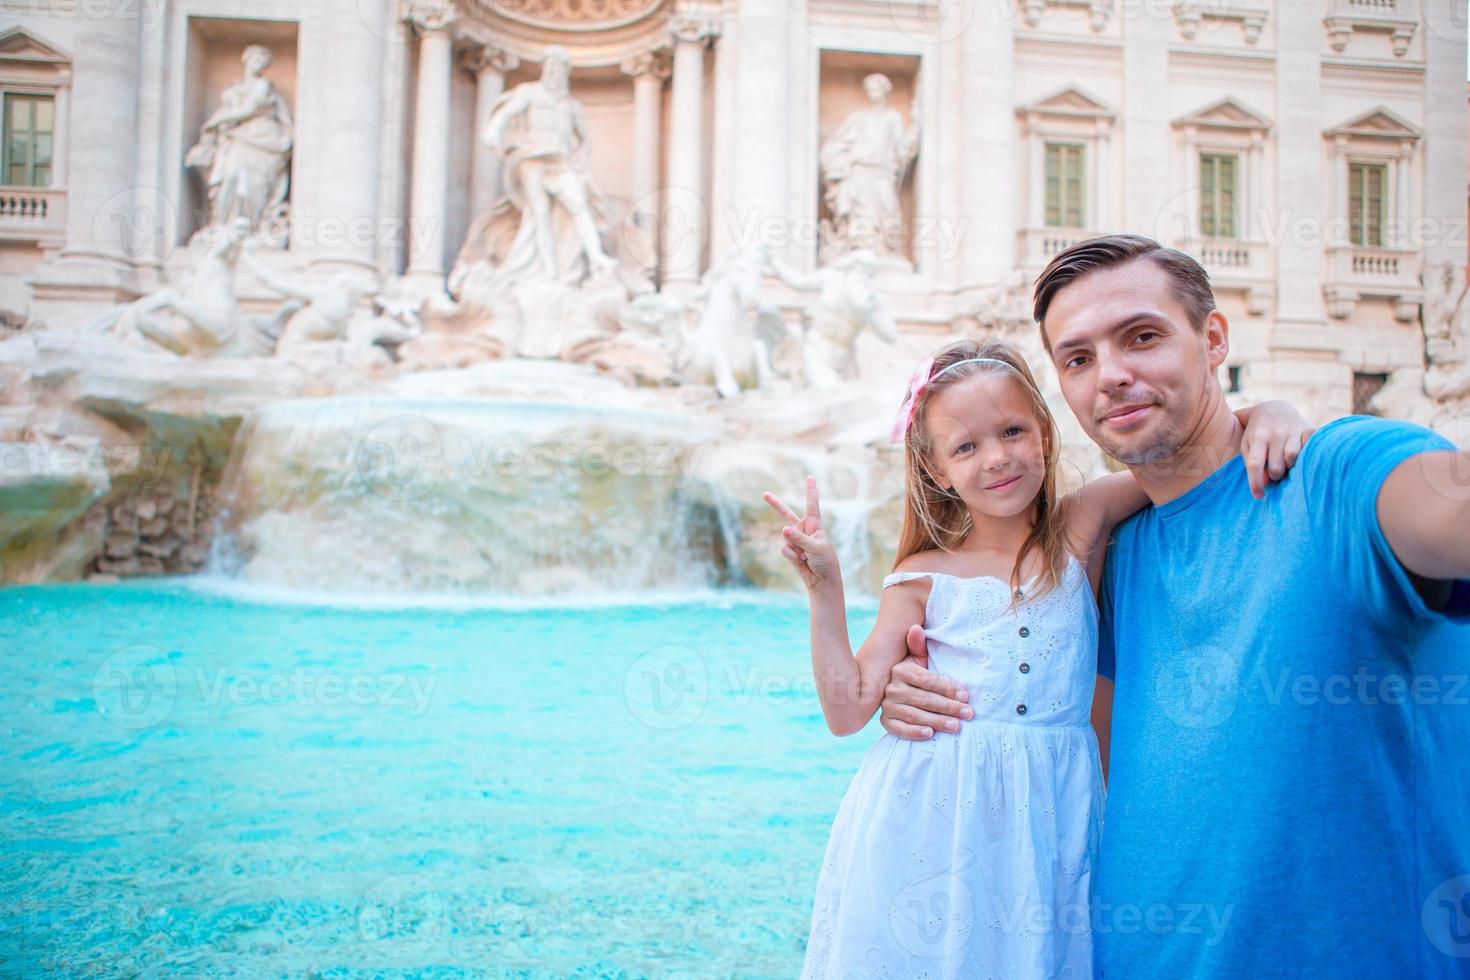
x=1191, y=283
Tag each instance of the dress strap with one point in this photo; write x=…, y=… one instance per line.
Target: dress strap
x=898, y=577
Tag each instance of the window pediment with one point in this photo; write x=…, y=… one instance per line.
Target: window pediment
x=1226, y=114
x=1070, y=102
x=19, y=45
x=1379, y=123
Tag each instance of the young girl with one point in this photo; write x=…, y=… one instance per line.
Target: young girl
x=970, y=854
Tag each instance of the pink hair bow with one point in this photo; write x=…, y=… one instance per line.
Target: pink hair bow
x=906, y=412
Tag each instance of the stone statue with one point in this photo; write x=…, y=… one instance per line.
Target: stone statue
x=203, y=318
x=848, y=304
x=863, y=166
x=1439, y=395
x=735, y=336
x=541, y=132
x=244, y=149
x=326, y=308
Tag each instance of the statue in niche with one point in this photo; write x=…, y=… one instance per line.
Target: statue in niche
x=863, y=166
x=848, y=305
x=202, y=317
x=244, y=152
x=546, y=227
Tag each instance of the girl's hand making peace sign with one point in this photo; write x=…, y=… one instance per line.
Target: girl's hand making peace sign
x=805, y=544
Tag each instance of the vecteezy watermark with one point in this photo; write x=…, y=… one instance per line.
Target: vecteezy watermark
x=401, y=458
x=1446, y=917
x=138, y=687
x=135, y=688
x=148, y=12
x=406, y=457
x=939, y=236
x=139, y=223
x=1364, y=687
x=938, y=21
x=1447, y=472
x=667, y=687
x=1199, y=687
x=933, y=915
x=301, y=686
x=403, y=916
x=149, y=462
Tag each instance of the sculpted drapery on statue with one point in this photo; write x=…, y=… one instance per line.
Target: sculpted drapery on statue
x=545, y=228
x=863, y=166
x=244, y=149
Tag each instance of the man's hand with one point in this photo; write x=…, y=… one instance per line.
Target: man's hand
x=917, y=701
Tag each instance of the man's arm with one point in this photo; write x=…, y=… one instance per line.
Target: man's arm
x=1424, y=511
x=917, y=702
x=1102, y=720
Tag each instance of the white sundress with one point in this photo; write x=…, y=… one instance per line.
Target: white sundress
x=970, y=854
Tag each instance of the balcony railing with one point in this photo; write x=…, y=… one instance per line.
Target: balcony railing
x=1038, y=246
x=32, y=213
x=1374, y=271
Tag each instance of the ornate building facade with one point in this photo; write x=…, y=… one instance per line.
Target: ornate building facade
x=1312, y=154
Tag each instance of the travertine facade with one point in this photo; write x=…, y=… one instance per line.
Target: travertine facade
x=708, y=118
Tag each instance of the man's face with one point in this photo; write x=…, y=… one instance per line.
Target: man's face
x=555, y=76
x=1134, y=371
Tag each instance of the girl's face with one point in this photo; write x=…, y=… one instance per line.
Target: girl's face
x=986, y=444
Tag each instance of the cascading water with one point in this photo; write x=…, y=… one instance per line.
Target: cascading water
x=482, y=495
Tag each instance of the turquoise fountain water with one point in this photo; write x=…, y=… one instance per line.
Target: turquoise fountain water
x=198, y=784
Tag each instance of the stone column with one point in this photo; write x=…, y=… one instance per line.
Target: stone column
x=1149, y=205
x=1337, y=203
x=1193, y=228
x=348, y=127
x=648, y=71
x=61, y=123
x=1255, y=205
x=1443, y=185
x=762, y=120
x=1402, y=212
x=686, y=205
x=104, y=224
x=1298, y=163
x=429, y=191
x=1106, y=190
x=1037, y=208
x=987, y=144
x=489, y=66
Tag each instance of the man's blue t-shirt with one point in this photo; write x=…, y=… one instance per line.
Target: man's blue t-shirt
x=1289, y=790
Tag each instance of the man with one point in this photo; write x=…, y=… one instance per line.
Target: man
x=1286, y=677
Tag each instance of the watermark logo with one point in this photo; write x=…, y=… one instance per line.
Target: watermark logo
x=667, y=687
x=1446, y=917
x=1447, y=472
x=403, y=915
x=401, y=458
x=135, y=688
x=933, y=916
x=140, y=223
x=1199, y=688
x=933, y=21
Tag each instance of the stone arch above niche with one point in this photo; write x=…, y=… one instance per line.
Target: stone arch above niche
x=594, y=32
x=573, y=15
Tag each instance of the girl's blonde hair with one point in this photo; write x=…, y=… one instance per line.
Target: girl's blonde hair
x=935, y=518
